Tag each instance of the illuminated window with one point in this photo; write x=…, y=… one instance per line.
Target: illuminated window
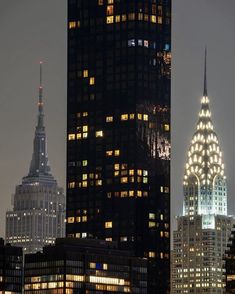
x=70, y=220
x=84, y=176
x=84, y=184
x=99, y=134
x=139, y=193
x=124, y=180
x=84, y=114
x=167, y=127
x=71, y=137
x=132, y=116
x=146, y=43
x=109, y=10
x=152, y=254
x=85, y=135
x=109, y=194
x=71, y=185
x=105, y=266
x=117, y=18
x=140, y=16
x=153, y=18
x=84, y=163
x=145, y=180
x=72, y=24
x=78, y=23
x=85, y=73
x=152, y=215
x=98, y=182
x=108, y=225
x=145, y=172
x=124, y=194
x=117, y=152
x=78, y=219
x=139, y=172
x=159, y=19
x=145, y=117
x=131, y=16
x=161, y=216
x=109, y=19
x=123, y=17
x=161, y=234
x=84, y=218
x=109, y=153
x=116, y=166
x=85, y=128
x=161, y=255
x=92, y=81
x=146, y=17
x=109, y=118
x=131, y=193
x=139, y=115
x=131, y=172
x=152, y=224
x=124, y=117
x=92, y=265
x=109, y=239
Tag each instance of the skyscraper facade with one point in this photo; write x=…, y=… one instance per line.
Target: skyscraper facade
x=38, y=211
x=118, y=127
x=203, y=230
x=230, y=264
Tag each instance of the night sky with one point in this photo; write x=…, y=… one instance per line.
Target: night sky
x=32, y=30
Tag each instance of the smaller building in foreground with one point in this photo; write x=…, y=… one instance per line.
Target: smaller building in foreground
x=11, y=264
x=84, y=266
x=230, y=264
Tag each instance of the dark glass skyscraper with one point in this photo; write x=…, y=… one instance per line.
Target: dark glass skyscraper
x=118, y=148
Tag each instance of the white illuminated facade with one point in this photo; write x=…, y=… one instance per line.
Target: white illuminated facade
x=38, y=213
x=203, y=231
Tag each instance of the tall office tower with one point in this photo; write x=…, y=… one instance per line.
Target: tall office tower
x=230, y=264
x=201, y=237
x=38, y=211
x=118, y=141
x=11, y=268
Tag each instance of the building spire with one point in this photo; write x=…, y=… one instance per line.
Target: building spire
x=205, y=75
x=40, y=101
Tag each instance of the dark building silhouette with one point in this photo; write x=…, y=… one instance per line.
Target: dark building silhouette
x=118, y=128
x=11, y=264
x=230, y=264
x=84, y=266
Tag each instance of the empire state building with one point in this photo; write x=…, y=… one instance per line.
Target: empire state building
x=37, y=218
x=204, y=228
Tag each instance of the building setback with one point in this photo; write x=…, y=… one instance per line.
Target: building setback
x=38, y=211
x=11, y=268
x=84, y=266
x=118, y=127
x=204, y=228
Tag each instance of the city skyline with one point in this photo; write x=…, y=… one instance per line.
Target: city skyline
x=19, y=79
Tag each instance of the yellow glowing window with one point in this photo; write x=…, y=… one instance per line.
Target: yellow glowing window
x=145, y=173
x=100, y=2
x=152, y=215
x=124, y=180
x=145, y=117
x=139, y=115
x=109, y=153
x=167, y=127
x=79, y=136
x=105, y=266
x=78, y=219
x=78, y=23
x=85, y=114
x=109, y=10
x=152, y=254
x=92, y=265
x=92, y=81
x=146, y=17
x=71, y=137
x=109, y=19
x=108, y=225
x=132, y=179
x=99, y=134
x=159, y=19
x=84, y=176
x=109, y=194
x=145, y=180
x=139, y=193
x=116, y=173
x=85, y=135
x=161, y=255
x=131, y=172
x=132, y=116
x=161, y=216
x=117, y=18
x=140, y=16
x=84, y=163
x=117, y=152
x=152, y=224
x=84, y=218
x=153, y=18
x=123, y=17
x=109, y=239
x=139, y=172
x=124, y=166
x=72, y=24
x=84, y=184
x=131, y=193
x=116, y=166
x=109, y=118
x=131, y=16
x=161, y=234
x=78, y=235
x=124, y=117
x=85, y=128
x=161, y=189
x=70, y=220
x=98, y=183
x=124, y=194
x=71, y=185
x=85, y=73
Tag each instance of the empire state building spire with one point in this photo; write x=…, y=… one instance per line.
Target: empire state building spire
x=39, y=170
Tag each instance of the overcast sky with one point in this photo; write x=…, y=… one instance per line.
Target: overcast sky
x=31, y=30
